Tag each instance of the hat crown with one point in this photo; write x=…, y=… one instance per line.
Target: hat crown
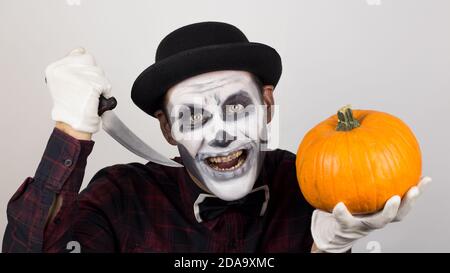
x=198, y=35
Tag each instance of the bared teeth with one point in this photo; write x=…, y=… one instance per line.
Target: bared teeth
x=240, y=162
x=220, y=159
x=217, y=161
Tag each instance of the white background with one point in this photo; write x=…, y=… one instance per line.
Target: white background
x=389, y=55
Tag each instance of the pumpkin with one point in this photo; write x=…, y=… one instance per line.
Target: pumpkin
x=360, y=158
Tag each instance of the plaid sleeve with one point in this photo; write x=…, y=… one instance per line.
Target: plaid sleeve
x=60, y=172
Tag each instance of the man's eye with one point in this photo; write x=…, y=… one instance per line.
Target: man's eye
x=196, y=118
x=235, y=108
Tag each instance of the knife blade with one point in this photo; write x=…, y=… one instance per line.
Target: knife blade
x=122, y=134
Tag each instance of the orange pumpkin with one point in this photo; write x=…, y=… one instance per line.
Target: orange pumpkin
x=361, y=158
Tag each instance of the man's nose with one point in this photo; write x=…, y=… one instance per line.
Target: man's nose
x=222, y=139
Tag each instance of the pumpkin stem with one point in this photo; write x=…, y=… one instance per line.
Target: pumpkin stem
x=346, y=121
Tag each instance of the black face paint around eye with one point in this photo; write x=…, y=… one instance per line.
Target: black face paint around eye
x=236, y=106
x=192, y=117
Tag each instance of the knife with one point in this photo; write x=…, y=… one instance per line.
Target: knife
x=122, y=134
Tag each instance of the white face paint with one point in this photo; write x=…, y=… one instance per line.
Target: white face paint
x=218, y=121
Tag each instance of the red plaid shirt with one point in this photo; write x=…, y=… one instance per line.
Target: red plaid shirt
x=148, y=208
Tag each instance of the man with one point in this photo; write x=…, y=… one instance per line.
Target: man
x=206, y=88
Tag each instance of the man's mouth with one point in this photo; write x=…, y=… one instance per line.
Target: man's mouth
x=228, y=162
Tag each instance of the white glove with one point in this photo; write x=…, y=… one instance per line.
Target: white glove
x=76, y=83
x=337, y=231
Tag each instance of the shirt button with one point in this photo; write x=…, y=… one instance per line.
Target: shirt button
x=68, y=162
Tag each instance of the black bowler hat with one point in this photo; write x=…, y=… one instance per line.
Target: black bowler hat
x=199, y=48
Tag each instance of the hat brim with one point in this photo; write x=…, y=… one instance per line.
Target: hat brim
x=151, y=85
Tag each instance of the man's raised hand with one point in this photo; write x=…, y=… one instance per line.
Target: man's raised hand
x=76, y=83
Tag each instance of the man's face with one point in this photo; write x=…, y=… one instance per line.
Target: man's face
x=218, y=121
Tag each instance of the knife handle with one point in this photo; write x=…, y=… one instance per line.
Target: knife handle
x=105, y=104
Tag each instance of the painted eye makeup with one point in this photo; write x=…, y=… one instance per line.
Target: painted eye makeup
x=193, y=117
x=236, y=106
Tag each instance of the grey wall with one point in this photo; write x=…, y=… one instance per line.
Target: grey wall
x=390, y=55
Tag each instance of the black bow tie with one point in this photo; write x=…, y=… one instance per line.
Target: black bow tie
x=208, y=206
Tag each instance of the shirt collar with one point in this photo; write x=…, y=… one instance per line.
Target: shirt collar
x=189, y=192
